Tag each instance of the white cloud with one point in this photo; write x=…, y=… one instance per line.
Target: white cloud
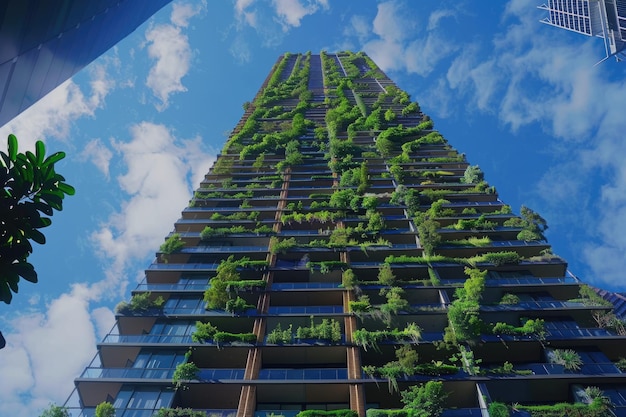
x=53, y=115
x=390, y=24
x=170, y=48
x=44, y=352
x=99, y=155
x=358, y=26
x=291, y=12
x=158, y=165
x=182, y=12
x=436, y=16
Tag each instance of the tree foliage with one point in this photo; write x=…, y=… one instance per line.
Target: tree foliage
x=55, y=411
x=32, y=190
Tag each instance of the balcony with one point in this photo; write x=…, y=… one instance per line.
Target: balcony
x=309, y=374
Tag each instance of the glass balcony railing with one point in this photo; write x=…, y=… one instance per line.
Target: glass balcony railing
x=127, y=373
x=172, y=287
x=147, y=338
x=306, y=310
x=304, y=285
x=209, y=249
x=205, y=375
x=304, y=374
x=585, y=369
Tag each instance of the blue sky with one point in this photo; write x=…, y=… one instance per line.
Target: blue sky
x=142, y=124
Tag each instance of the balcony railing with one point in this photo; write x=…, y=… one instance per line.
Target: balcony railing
x=147, y=338
x=304, y=374
x=305, y=310
x=304, y=285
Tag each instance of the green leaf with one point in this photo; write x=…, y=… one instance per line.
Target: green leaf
x=5, y=293
x=37, y=236
x=26, y=271
x=52, y=159
x=66, y=188
x=40, y=150
x=12, y=147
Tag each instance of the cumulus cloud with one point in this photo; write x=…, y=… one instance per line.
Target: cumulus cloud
x=44, y=352
x=53, y=115
x=159, y=170
x=98, y=154
x=182, y=12
x=291, y=12
x=169, y=47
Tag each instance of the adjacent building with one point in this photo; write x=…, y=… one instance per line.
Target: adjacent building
x=605, y=19
x=45, y=42
x=341, y=254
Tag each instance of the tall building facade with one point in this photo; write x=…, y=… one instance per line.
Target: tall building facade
x=605, y=19
x=342, y=257
x=45, y=42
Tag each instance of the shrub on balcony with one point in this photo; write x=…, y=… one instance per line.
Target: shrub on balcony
x=328, y=329
x=278, y=245
x=179, y=412
x=105, y=409
x=186, y=371
x=374, y=412
x=498, y=410
x=278, y=335
x=348, y=279
x=237, y=305
x=330, y=413
x=140, y=303
x=531, y=327
x=362, y=305
x=204, y=332
x=172, y=244
x=209, y=232
x=226, y=337
x=569, y=358
x=509, y=298
x=425, y=400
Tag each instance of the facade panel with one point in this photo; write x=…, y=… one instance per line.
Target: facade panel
x=45, y=42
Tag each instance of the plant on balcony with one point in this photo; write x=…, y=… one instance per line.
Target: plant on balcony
x=464, y=323
x=509, y=298
x=172, y=244
x=366, y=338
x=227, y=337
x=621, y=364
x=278, y=245
x=467, y=361
x=425, y=400
x=179, y=412
x=480, y=223
x=496, y=258
x=474, y=241
x=360, y=306
x=569, y=358
x=186, y=371
x=105, y=409
x=329, y=413
x=386, y=275
x=508, y=369
x=278, y=335
x=204, y=332
x=532, y=224
x=596, y=405
x=54, y=410
x=328, y=329
x=209, y=232
x=325, y=267
x=498, y=410
x=589, y=297
x=237, y=305
x=531, y=327
x=348, y=279
x=395, y=303
x=140, y=303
